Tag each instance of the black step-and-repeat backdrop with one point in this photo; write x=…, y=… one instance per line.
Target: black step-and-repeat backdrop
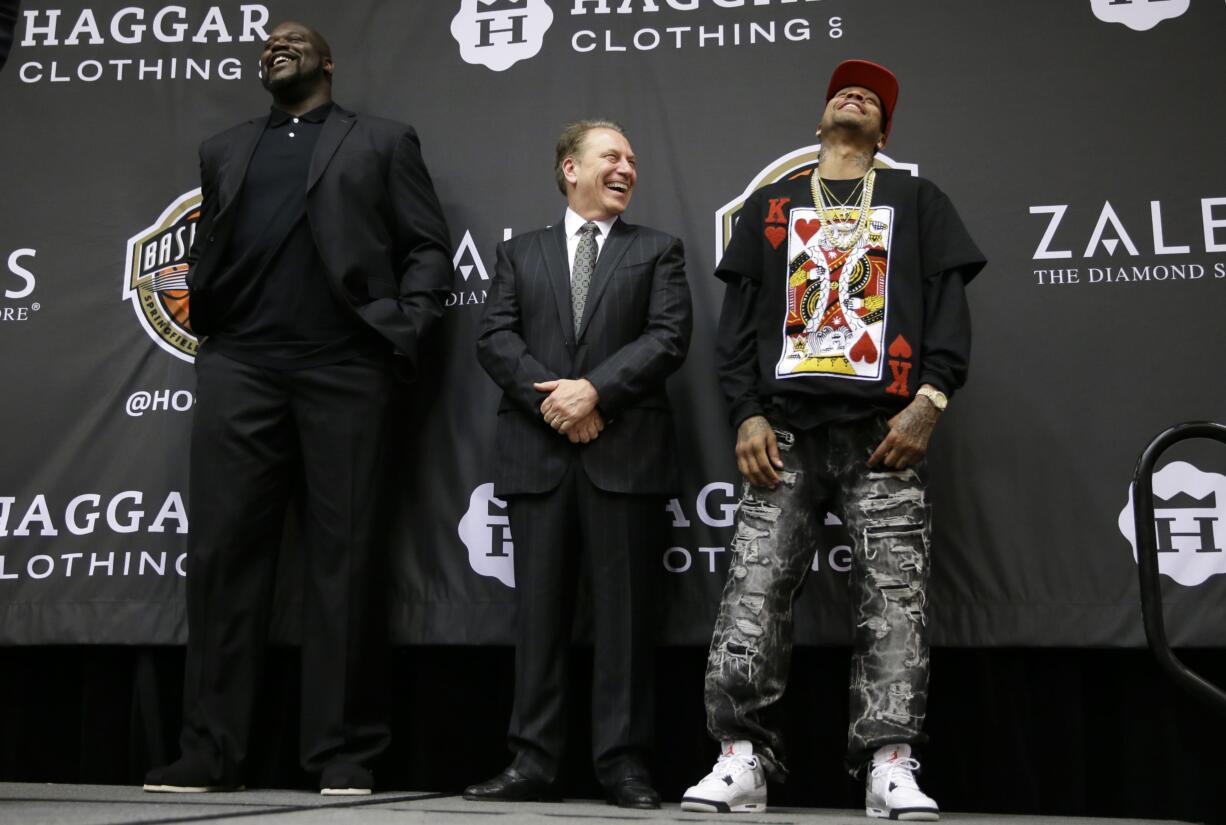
x=1079, y=139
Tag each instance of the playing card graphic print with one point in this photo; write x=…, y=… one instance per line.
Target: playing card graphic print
x=844, y=301
x=836, y=298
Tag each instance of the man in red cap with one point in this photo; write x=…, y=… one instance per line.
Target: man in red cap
x=844, y=332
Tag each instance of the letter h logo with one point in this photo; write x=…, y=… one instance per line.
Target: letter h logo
x=501, y=545
x=1164, y=524
x=511, y=13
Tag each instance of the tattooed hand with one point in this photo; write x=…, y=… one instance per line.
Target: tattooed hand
x=757, y=454
x=907, y=441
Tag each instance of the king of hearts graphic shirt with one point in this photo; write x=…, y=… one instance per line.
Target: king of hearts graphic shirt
x=857, y=328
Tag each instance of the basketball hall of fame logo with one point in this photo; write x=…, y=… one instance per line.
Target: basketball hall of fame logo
x=155, y=275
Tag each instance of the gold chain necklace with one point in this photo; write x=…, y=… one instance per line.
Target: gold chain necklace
x=842, y=239
x=843, y=202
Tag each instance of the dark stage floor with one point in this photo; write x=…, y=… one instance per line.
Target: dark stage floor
x=49, y=804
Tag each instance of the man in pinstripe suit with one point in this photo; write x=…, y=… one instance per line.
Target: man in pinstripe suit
x=584, y=322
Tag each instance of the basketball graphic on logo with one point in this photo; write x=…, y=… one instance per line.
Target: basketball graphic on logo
x=174, y=299
x=156, y=276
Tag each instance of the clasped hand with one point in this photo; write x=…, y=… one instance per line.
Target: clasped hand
x=570, y=408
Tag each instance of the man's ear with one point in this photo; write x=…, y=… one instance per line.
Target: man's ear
x=568, y=170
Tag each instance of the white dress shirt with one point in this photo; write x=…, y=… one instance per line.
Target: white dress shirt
x=573, y=224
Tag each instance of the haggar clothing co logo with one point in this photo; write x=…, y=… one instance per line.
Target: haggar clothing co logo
x=486, y=532
x=1189, y=522
x=155, y=276
x=1138, y=15
x=500, y=33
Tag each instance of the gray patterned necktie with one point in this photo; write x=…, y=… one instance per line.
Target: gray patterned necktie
x=581, y=274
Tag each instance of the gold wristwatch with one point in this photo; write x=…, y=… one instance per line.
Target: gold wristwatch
x=938, y=398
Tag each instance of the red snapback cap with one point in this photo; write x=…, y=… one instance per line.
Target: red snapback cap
x=871, y=76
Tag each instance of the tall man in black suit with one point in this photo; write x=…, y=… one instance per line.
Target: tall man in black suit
x=322, y=257
x=583, y=323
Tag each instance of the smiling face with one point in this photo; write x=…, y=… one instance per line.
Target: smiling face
x=295, y=62
x=855, y=109
x=600, y=176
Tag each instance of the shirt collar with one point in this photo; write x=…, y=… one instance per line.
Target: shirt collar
x=573, y=222
x=279, y=117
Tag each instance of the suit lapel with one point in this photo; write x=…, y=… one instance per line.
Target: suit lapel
x=337, y=125
x=558, y=270
x=244, y=148
x=611, y=254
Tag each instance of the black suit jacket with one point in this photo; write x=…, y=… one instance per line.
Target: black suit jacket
x=373, y=213
x=635, y=332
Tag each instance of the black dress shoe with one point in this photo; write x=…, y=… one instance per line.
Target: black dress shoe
x=512, y=786
x=346, y=779
x=185, y=776
x=632, y=792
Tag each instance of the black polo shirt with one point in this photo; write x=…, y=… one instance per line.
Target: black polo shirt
x=276, y=305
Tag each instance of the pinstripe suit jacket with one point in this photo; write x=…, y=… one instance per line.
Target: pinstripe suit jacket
x=635, y=332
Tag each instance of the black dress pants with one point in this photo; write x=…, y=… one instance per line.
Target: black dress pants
x=258, y=436
x=617, y=540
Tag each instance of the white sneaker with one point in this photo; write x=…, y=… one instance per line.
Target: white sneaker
x=736, y=784
x=892, y=792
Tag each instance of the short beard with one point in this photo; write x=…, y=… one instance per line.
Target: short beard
x=295, y=87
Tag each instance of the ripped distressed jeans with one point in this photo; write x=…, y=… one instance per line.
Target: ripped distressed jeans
x=773, y=547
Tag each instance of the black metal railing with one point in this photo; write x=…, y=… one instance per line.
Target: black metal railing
x=1147, y=558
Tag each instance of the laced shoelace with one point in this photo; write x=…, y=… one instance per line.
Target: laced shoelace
x=732, y=765
x=900, y=772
